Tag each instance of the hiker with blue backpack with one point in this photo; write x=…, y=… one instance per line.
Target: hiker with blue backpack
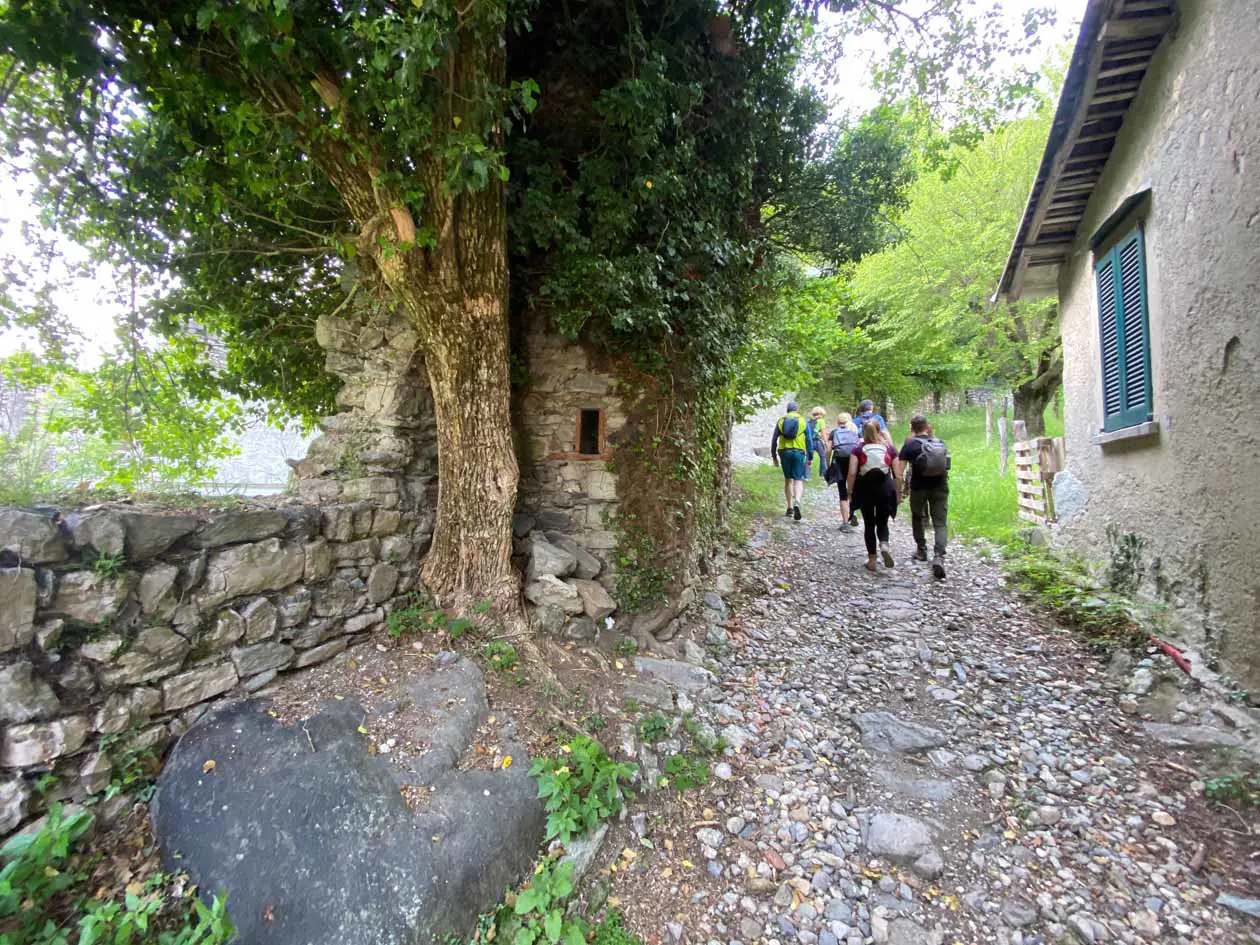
x=927, y=459
x=787, y=449
x=841, y=442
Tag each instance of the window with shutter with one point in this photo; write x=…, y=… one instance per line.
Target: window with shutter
x=1124, y=333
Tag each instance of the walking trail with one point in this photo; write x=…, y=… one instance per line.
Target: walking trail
x=921, y=761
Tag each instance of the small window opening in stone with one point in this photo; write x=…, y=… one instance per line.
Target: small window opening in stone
x=588, y=432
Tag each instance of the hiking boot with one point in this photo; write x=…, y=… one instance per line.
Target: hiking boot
x=870, y=563
x=888, y=558
x=796, y=512
x=938, y=567
x=920, y=554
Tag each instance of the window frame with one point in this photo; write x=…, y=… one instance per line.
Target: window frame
x=1126, y=414
x=600, y=451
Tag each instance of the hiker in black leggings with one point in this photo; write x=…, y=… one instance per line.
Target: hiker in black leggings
x=873, y=470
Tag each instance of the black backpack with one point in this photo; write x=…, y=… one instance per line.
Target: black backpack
x=933, y=458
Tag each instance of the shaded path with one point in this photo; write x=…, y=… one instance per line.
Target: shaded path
x=924, y=762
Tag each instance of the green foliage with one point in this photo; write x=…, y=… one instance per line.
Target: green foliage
x=923, y=303
x=537, y=915
x=595, y=722
x=108, y=565
x=41, y=902
x=685, y=772
x=641, y=578
x=1234, y=788
x=500, y=656
x=611, y=930
x=653, y=727
x=702, y=737
x=134, y=767
x=420, y=616
x=581, y=789
x=1108, y=620
x=627, y=646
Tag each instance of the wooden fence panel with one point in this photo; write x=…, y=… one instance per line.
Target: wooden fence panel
x=1036, y=462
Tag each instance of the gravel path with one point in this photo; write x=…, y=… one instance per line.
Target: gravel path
x=916, y=761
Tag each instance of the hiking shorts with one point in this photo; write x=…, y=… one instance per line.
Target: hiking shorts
x=793, y=463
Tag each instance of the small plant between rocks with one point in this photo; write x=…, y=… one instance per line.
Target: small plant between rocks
x=420, y=616
x=581, y=789
x=500, y=656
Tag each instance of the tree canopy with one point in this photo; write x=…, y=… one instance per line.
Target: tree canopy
x=925, y=301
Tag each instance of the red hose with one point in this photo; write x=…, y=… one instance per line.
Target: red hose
x=1174, y=654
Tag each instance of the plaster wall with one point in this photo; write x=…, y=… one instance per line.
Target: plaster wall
x=1181, y=510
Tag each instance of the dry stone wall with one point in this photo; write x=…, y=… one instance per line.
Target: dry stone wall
x=562, y=491
x=121, y=625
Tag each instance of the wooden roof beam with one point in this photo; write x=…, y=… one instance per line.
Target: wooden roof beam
x=1137, y=27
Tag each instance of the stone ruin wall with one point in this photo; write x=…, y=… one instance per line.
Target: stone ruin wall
x=121, y=625
x=561, y=491
x=193, y=609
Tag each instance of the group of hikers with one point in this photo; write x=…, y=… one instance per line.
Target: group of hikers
x=858, y=456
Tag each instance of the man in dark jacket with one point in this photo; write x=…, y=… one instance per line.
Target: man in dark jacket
x=928, y=461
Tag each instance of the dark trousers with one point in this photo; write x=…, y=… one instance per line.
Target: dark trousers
x=871, y=496
x=933, y=504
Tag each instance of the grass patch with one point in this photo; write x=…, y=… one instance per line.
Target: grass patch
x=1108, y=620
x=982, y=502
x=758, y=490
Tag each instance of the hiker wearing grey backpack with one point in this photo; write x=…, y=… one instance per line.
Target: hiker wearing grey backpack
x=927, y=459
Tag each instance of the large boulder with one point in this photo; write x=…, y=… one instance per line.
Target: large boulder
x=548, y=591
x=242, y=570
x=588, y=566
x=30, y=538
x=230, y=528
x=151, y=533
x=311, y=837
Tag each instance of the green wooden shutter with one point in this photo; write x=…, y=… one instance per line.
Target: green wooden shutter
x=1109, y=332
x=1124, y=334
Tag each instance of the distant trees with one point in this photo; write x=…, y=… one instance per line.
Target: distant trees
x=924, y=303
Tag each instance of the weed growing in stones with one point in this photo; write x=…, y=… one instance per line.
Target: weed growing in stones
x=627, y=646
x=500, y=656
x=702, y=738
x=630, y=705
x=1110, y=621
x=581, y=788
x=420, y=616
x=107, y=565
x=595, y=722
x=653, y=728
x=612, y=931
x=44, y=899
x=686, y=772
x=135, y=767
x=1237, y=787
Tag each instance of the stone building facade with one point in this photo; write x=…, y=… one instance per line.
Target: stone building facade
x=1145, y=220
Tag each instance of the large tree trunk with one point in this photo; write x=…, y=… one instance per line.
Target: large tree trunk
x=1032, y=397
x=454, y=287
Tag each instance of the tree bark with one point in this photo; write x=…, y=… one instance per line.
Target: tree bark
x=1032, y=397
x=454, y=288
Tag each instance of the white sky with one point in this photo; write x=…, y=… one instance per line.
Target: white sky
x=93, y=311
